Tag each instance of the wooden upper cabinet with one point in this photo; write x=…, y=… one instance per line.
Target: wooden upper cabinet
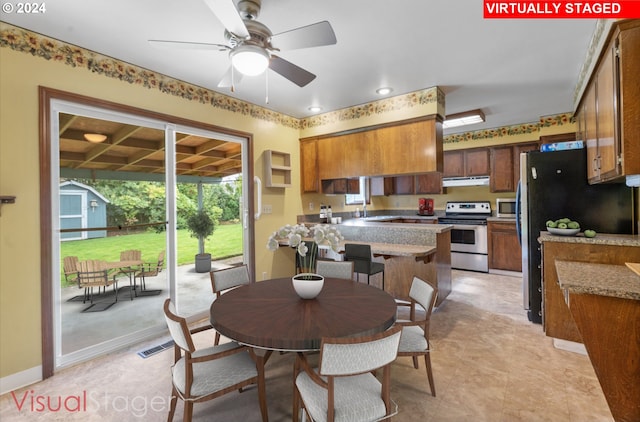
x=608, y=112
x=400, y=148
x=381, y=186
x=429, y=183
x=309, y=180
x=477, y=162
x=466, y=162
x=502, y=169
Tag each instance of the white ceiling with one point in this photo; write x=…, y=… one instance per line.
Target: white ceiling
x=514, y=70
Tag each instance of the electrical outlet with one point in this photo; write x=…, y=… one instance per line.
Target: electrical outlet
x=267, y=209
x=264, y=275
x=311, y=206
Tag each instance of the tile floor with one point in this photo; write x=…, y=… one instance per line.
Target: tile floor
x=490, y=364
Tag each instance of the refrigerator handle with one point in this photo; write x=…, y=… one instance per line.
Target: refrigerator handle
x=518, y=211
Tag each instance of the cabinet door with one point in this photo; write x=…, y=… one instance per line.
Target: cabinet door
x=403, y=185
x=453, y=164
x=381, y=186
x=606, y=98
x=591, y=136
x=517, y=150
x=309, y=181
x=505, y=252
x=353, y=186
x=502, y=169
x=477, y=162
x=429, y=183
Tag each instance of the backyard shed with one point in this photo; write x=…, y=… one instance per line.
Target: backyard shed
x=82, y=206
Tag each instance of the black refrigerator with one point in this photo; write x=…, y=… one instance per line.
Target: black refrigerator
x=553, y=185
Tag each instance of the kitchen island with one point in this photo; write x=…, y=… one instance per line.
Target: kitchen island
x=604, y=301
x=406, y=250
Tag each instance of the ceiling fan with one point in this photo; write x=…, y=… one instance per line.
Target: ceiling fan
x=251, y=45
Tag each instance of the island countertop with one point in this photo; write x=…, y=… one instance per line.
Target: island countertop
x=598, y=279
x=386, y=249
x=600, y=239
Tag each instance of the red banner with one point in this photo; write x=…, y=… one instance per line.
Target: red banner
x=494, y=9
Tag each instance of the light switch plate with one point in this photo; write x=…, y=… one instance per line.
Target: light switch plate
x=267, y=209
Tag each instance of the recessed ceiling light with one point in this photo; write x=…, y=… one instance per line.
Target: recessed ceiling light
x=384, y=91
x=315, y=109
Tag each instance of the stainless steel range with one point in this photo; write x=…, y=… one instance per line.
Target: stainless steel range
x=469, y=249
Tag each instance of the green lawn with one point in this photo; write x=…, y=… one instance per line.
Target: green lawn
x=226, y=241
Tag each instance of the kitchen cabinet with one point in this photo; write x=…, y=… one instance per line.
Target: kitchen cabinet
x=607, y=115
x=341, y=186
x=466, y=162
x=400, y=148
x=403, y=185
x=429, y=183
x=277, y=169
x=505, y=165
x=604, y=249
x=309, y=180
x=505, y=252
x=381, y=186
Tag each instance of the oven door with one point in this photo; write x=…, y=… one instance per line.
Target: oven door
x=470, y=238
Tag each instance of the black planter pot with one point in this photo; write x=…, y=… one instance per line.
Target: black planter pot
x=203, y=263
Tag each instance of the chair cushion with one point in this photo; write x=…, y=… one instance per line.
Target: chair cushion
x=356, y=398
x=212, y=376
x=412, y=340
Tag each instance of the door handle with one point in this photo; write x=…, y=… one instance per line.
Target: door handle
x=258, y=183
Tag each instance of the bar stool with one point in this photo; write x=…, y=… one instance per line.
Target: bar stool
x=362, y=261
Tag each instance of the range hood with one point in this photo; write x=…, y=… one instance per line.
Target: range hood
x=465, y=181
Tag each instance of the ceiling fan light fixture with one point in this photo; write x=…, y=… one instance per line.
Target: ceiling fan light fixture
x=250, y=60
x=95, y=138
x=464, y=118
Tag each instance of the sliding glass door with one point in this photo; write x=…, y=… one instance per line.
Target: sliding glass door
x=124, y=198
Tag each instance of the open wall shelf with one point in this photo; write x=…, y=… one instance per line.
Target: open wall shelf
x=277, y=167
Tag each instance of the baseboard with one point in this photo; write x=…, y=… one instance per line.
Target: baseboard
x=569, y=346
x=20, y=379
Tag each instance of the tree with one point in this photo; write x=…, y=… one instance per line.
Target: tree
x=201, y=226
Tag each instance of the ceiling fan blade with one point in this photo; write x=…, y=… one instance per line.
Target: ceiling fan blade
x=227, y=13
x=295, y=74
x=227, y=82
x=314, y=35
x=182, y=45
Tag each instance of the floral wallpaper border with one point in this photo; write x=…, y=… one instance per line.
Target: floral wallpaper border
x=523, y=128
x=25, y=41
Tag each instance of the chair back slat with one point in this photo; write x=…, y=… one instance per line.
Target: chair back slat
x=335, y=269
x=229, y=278
x=92, y=272
x=131, y=255
x=422, y=292
x=344, y=356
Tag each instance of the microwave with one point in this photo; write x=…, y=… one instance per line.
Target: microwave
x=506, y=207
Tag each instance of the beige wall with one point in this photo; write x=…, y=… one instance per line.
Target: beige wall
x=20, y=76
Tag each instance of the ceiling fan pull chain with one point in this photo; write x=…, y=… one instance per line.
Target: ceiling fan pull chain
x=233, y=85
x=266, y=78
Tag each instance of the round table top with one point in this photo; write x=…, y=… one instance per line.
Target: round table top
x=270, y=315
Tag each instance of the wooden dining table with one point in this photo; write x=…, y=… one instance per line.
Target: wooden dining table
x=270, y=315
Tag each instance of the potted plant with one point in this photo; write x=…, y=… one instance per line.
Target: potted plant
x=307, y=285
x=201, y=225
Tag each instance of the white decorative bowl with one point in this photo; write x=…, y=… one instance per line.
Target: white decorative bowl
x=307, y=285
x=563, y=232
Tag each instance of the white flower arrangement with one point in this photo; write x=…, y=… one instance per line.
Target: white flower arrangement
x=322, y=234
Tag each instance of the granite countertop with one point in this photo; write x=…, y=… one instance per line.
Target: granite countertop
x=389, y=249
x=598, y=279
x=600, y=239
x=361, y=222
